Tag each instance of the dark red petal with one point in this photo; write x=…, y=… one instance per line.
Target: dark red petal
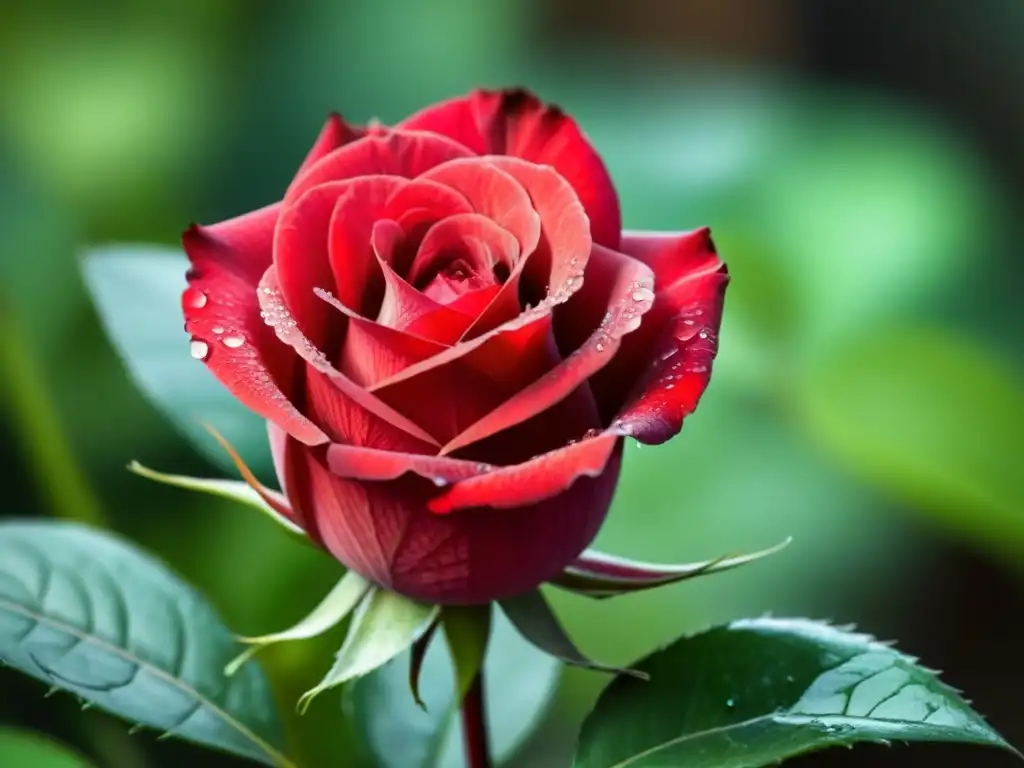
x=392, y=153
x=555, y=270
x=515, y=122
x=493, y=193
x=678, y=342
x=277, y=316
x=222, y=314
x=356, y=463
x=454, y=389
x=382, y=531
x=353, y=262
x=301, y=258
x=623, y=287
x=335, y=134
x=372, y=351
x=532, y=481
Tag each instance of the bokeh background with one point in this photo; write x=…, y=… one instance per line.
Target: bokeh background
x=860, y=162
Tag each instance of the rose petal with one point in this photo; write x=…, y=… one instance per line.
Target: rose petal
x=555, y=270
x=532, y=481
x=493, y=193
x=403, y=306
x=222, y=314
x=455, y=388
x=394, y=153
x=352, y=260
x=677, y=347
x=381, y=531
x=477, y=241
x=335, y=134
x=515, y=122
x=624, y=286
x=349, y=394
x=357, y=463
x=372, y=351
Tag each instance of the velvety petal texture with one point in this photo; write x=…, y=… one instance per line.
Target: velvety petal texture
x=450, y=336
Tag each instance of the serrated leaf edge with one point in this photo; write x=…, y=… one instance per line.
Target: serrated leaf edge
x=279, y=759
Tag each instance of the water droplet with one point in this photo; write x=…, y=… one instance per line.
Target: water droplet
x=643, y=294
x=234, y=342
x=730, y=703
x=440, y=482
x=670, y=386
x=599, y=347
x=687, y=321
x=590, y=433
x=199, y=349
x=218, y=329
x=574, y=283
x=703, y=334
x=195, y=298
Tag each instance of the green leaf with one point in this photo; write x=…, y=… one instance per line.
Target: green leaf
x=467, y=630
x=87, y=613
x=932, y=418
x=137, y=292
x=234, y=490
x=755, y=692
x=22, y=748
x=533, y=617
x=519, y=683
x=339, y=602
x=385, y=625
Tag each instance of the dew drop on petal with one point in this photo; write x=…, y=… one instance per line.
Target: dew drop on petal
x=643, y=294
x=599, y=347
x=195, y=298
x=199, y=349
x=218, y=329
x=234, y=342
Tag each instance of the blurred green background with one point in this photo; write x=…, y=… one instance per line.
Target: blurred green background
x=862, y=167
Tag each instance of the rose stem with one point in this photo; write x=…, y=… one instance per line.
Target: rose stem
x=474, y=725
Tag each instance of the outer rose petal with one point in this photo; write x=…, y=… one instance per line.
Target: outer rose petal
x=222, y=315
x=532, y=481
x=335, y=134
x=381, y=530
x=679, y=340
x=515, y=122
x=393, y=153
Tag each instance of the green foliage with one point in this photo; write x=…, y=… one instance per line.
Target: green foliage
x=87, y=613
x=384, y=625
x=22, y=749
x=932, y=417
x=519, y=683
x=755, y=692
x=137, y=292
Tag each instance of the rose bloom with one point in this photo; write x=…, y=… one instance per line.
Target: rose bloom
x=449, y=336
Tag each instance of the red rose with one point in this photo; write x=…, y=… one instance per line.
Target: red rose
x=449, y=336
